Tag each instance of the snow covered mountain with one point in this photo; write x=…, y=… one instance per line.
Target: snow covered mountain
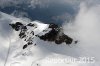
x=30, y=48
x=47, y=32
x=37, y=53
x=17, y=50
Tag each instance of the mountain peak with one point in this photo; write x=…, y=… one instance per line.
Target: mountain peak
x=46, y=32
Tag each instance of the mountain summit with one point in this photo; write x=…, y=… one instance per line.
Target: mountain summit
x=46, y=32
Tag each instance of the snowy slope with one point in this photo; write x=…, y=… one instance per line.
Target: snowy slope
x=6, y=35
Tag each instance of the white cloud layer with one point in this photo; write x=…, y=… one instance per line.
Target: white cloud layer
x=45, y=3
x=85, y=28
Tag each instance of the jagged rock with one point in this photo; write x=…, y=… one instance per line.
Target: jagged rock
x=17, y=26
x=30, y=24
x=52, y=25
x=34, y=44
x=30, y=43
x=76, y=42
x=54, y=35
x=50, y=36
x=25, y=46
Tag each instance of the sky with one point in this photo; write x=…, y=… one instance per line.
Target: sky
x=79, y=19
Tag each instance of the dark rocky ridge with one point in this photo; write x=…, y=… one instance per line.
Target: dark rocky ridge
x=54, y=35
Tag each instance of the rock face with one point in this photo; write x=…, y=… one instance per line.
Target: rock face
x=53, y=33
x=56, y=35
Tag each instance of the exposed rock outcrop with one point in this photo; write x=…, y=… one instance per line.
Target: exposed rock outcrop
x=55, y=34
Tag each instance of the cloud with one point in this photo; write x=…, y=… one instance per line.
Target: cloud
x=85, y=29
x=33, y=3
x=7, y=3
x=45, y=3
